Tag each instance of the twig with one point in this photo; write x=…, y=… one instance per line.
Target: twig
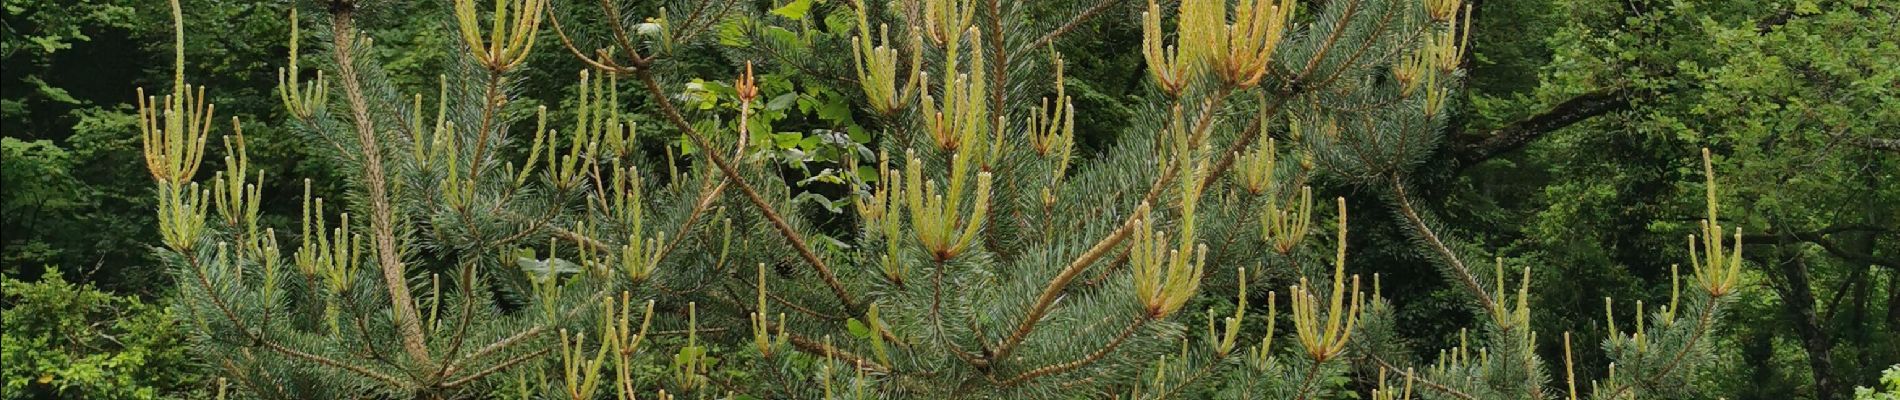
x=1431, y=239
x=1097, y=355
x=797, y=241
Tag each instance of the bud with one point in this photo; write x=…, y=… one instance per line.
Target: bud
x=579, y=373
x=763, y=337
x=944, y=20
x=1248, y=43
x=934, y=215
x=1285, y=228
x=302, y=99
x=181, y=214
x=1322, y=332
x=1164, y=278
x=510, y=39
x=1254, y=169
x=1721, y=270
x=876, y=66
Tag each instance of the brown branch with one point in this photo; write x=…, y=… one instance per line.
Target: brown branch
x=1140, y=320
x=1247, y=137
x=462, y=323
x=797, y=241
x=1332, y=39
x=1517, y=134
x=205, y=282
x=407, y=319
x=804, y=344
x=1404, y=202
x=1053, y=290
x=1371, y=39
x=497, y=368
x=699, y=208
x=603, y=64
x=492, y=101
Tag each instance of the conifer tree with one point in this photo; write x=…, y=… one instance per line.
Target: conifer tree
x=984, y=260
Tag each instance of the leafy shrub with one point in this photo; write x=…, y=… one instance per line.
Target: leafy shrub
x=74, y=341
x=1888, y=389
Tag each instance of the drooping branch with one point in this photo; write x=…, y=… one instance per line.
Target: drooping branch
x=1092, y=357
x=1517, y=134
x=1417, y=224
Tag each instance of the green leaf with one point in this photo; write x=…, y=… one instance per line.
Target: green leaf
x=857, y=328
x=820, y=200
x=786, y=140
x=835, y=111
x=1806, y=7
x=51, y=92
x=781, y=101
x=793, y=10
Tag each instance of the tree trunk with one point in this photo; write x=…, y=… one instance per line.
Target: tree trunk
x=1797, y=299
x=1893, y=300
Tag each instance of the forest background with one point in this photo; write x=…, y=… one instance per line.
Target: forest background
x=1567, y=152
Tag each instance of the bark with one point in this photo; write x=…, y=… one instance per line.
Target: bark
x=381, y=215
x=1893, y=299
x=1798, y=301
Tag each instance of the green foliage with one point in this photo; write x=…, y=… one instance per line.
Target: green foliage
x=77, y=215
x=993, y=297
x=1792, y=96
x=73, y=341
x=69, y=97
x=976, y=259
x=1889, y=388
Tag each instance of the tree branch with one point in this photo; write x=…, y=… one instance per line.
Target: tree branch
x=1461, y=273
x=1134, y=326
x=1882, y=144
x=791, y=236
x=1515, y=135
x=374, y=182
x=1819, y=238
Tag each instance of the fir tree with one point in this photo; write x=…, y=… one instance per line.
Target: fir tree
x=983, y=261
